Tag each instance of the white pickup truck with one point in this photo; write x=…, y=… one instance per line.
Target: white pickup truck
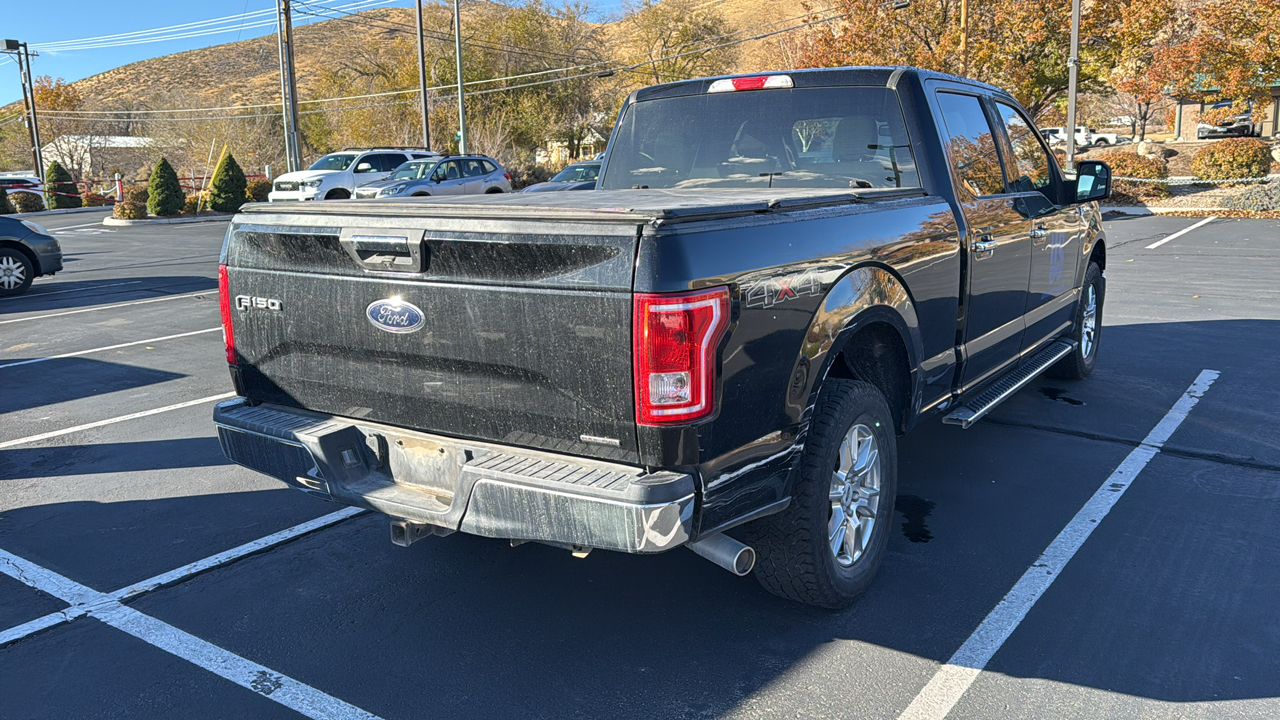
x=1085, y=137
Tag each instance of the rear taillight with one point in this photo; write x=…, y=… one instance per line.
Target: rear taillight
x=224, y=305
x=506, y=175
x=674, y=340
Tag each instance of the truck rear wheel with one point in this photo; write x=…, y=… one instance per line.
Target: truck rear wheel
x=1088, y=329
x=825, y=548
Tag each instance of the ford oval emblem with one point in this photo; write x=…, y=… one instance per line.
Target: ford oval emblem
x=395, y=315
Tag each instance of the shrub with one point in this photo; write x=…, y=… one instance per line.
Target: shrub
x=524, y=175
x=59, y=189
x=1258, y=197
x=1233, y=158
x=92, y=199
x=164, y=192
x=1130, y=164
x=193, y=201
x=129, y=210
x=25, y=202
x=6, y=207
x=136, y=194
x=227, y=190
x=257, y=190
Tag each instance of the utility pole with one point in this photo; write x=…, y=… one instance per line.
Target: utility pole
x=288, y=85
x=1073, y=63
x=23, y=55
x=964, y=38
x=457, y=55
x=422, y=81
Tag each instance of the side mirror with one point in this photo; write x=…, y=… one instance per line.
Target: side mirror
x=1093, y=181
x=364, y=168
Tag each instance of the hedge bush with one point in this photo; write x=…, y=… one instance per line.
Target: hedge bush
x=129, y=210
x=1233, y=158
x=91, y=199
x=59, y=188
x=136, y=194
x=227, y=190
x=1130, y=164
x=6, y=207
x=257, y=190
x=193, y=201
x=164, y=193
x=25, y=202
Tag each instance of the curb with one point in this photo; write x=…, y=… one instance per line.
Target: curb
x=63, y=211
x=166, y=221
x=1142, y=210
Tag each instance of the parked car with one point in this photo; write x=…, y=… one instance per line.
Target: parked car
x=446, y=175
x=16, y=183
x=718, y=348
x=578, y=176
x=1235, y=126
x=337, y=175
x=1085, y=137
x=27, y=251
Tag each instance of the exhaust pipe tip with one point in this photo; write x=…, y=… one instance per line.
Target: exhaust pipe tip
x=726, y=552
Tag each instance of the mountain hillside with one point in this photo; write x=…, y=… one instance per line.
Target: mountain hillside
x=248, y=71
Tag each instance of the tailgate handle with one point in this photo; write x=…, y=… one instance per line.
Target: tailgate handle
x=386, y=251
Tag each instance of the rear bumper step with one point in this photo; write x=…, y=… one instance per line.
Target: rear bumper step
x=474, y=487
x=999, y=391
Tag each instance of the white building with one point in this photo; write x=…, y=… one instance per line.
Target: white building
x=93, y=156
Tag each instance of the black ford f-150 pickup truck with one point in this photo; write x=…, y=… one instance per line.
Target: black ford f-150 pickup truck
x=778, y=275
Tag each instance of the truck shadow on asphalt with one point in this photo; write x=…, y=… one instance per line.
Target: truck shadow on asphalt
x=471, y=627
x=51, y=296
x=65, y=379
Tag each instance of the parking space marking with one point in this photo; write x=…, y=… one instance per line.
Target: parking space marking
x=1181, y=232
x=272, y=685
x=112, y=421
x=29, y=296
x=74, y=227
x=110, y=307
x=78, y=353
x=953, y=679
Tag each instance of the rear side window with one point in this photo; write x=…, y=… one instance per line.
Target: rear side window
x=971, y=144
x=488, y=166
x=843, y=137
x=384, y=162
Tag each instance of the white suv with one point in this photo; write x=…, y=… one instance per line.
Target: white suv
x=336, y=175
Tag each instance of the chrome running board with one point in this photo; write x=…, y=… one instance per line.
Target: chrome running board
x=999, y=391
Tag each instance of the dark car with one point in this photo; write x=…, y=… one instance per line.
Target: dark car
x=27, y=251
x=578, y=176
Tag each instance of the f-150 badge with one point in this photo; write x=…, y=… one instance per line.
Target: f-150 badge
x=395, y=315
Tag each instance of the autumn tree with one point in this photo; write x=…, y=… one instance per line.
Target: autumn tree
x=1235, y=50
x=1017, y=45
x=675, y=39
x=1149, y=58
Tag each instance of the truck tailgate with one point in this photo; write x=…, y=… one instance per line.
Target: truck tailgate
x=513, y=332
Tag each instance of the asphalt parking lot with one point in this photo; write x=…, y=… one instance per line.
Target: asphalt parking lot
x=1168, y=608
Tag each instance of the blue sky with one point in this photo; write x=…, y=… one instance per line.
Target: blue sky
x=32, y=22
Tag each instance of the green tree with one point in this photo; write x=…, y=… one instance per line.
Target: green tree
x=226, y=191
x=60, y=192
x=164, y=192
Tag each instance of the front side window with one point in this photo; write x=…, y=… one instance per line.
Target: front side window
x=473, y=167
x=336, y=161
x=971, y=144
x=830, y=137
x=1030, y=167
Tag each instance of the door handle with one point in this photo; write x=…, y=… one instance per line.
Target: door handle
x=984, y=247
x=1039, y=233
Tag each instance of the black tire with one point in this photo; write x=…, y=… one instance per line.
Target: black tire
x=338, y=194
x=1080, y=362
x=493, y=191
x=794, y=555
x=1102, y=143
x=421, y=195
x=16, y=272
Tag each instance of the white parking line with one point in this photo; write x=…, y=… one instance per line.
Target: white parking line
x=112, y=421
x=951, y=681
x=1181, y=232
x=29, y=296
x=109, y=307
x=73, y=227
x=109, y=347
x=224, y=663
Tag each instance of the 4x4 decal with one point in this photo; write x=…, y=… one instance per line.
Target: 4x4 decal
x=771, y=290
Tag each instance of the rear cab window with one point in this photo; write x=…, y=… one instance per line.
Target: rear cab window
x=820, y=137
